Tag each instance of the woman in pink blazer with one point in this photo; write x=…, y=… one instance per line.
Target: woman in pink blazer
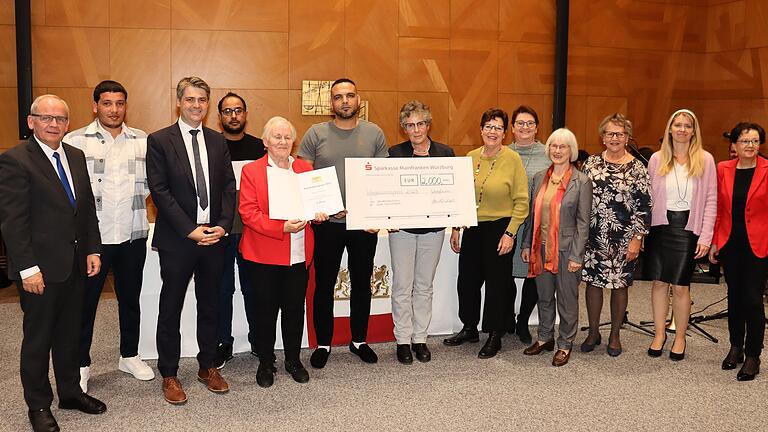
x=278, y=255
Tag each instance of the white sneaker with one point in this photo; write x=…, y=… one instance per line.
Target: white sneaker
x=136, y=367
x=85, y=375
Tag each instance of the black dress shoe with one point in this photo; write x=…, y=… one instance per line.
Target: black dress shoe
x=422, y=352
x=319, y=358
x=491, y=347
x=749, y=369
x=657, y=352
x=404, y=355
x=297, y=371
x=43, y=421
x=734, y=357
x=589, y=347
x=265, y=376
x=523, y=332
x=466, y=334
x=365, y=352
x=85, y=403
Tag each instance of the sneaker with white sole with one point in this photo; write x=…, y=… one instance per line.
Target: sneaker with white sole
x=85, y=375
x=136, y=367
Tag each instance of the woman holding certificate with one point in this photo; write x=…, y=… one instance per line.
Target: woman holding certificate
x=278, y=254
x=501, y=196
x=684, y=192
x=415, y=252
x=554, y=241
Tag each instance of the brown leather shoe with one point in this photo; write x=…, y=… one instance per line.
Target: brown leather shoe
x=213, y=379
x=561, y=358
x=172, y=391
x=537, y=348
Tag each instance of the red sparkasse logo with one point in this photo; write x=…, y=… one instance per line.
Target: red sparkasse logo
x=368, y=166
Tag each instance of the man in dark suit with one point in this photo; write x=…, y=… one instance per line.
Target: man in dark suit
x=50, y=228
x=192, y=184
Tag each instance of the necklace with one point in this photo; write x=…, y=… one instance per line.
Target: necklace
x=620, y=161
x=477, y=172
x=681, y=202
x=527, y=160
x=424, y=152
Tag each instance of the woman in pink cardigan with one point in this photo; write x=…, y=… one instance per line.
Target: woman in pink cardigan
x=684, y=193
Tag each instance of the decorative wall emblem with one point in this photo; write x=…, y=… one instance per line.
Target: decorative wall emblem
x=380, y=283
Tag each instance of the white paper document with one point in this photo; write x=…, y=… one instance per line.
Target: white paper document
x=300, y=196
x=410, y=192
x=237, y=167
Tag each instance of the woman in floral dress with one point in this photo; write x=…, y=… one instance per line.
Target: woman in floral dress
x=621, y=214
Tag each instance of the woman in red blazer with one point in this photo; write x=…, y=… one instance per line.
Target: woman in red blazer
x=278, y=255
x=740, y=242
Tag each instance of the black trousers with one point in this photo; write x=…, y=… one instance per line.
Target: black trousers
x=745, y=275
x=479, y=263
x=126, y=260
x=330, y=241
x=51, y=329
x=283, y=289
x=529, y=297
x=176, y=270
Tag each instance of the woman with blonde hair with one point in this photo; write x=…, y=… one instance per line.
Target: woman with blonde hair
x=684, y=191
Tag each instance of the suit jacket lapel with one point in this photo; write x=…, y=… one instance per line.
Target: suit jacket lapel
x=761, y=168
x=181, y=152
x=45, y=167
x=212, y=156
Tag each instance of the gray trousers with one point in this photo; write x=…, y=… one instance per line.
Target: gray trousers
x=565, y=287
x=414, y=263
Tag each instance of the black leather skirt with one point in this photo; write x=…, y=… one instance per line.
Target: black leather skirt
x=670, y=250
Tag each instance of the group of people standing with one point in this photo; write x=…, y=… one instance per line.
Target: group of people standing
x=73, y=207
x=591, y=225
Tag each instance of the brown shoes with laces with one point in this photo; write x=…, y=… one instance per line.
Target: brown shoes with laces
x=213, y=379
x=172, y=391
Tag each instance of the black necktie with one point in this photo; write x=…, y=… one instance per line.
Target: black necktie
x=202, y=191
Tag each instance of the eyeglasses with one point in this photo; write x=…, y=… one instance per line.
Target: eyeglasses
x=490, y=127
x=754, y=142
x=229, y=111
x=559, y=146
x=522, y=124
x=46, y=119
x=619, y=135
x=417, y=125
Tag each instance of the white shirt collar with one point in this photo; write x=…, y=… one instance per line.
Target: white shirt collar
x=273, y=164
x=185, y=128
x=49, y=151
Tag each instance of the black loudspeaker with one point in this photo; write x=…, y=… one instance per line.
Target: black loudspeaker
x=24, y=64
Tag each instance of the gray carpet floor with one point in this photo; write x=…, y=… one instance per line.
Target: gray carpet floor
x=456, y=391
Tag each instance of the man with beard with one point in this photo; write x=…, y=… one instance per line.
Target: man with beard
x=116, y=159
x=233, y=114
x=328, y=144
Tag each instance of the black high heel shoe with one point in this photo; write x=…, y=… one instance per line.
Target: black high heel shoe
x=734, y=357
x=677, y=356
x=657, y=352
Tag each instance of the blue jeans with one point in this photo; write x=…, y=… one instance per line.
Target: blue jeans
x=227, y=290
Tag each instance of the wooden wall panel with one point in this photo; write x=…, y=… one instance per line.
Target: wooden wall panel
x=69, y=56
x=316, y=51
x=9, y=129
x=425, y=18
x=371, y=43
x=424, y=65
x=258, y=60
x=475, y=19
x=527, y=21
x=473, y=87
x=79, y=100
x=251, y=15
x=92, y=13
x=148, y=93
x=644, y=57
x=155, y=14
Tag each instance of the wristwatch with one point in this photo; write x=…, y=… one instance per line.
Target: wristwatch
x=509, y=234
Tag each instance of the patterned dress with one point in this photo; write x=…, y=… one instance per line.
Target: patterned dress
x=621, y=207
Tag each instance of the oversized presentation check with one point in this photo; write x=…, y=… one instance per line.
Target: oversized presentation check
x=410, y=192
